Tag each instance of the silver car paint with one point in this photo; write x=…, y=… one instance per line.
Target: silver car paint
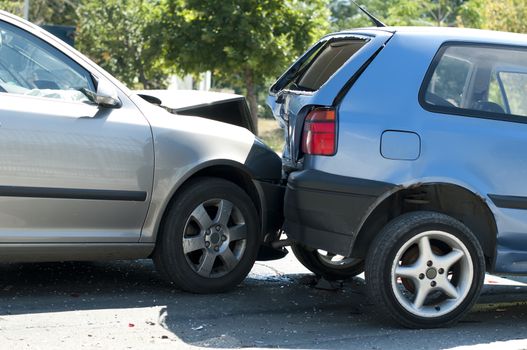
x=137, y=147
x=49, y=143
x=177, y=158
x=181, y=99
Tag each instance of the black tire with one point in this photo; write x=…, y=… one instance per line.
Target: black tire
x=396, y=257
x=196, y=266
x=313, y=260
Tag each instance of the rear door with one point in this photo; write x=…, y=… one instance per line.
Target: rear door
x=317, y=79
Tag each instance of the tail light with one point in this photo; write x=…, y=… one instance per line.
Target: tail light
x=320, y=132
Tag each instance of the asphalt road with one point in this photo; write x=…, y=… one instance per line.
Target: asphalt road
x=125, y=305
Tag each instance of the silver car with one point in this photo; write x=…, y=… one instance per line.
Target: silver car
x=90, y=170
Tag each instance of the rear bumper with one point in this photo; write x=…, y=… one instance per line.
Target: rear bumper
x=324, y=211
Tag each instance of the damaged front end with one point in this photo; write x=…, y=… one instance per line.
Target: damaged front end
x=223, y=107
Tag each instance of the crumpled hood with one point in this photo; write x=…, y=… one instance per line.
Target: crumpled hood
x=227, y=108
x=182, y=99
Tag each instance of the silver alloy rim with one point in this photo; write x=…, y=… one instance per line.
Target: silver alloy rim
x=336, y=261
x=215, y=238
x=438, y=280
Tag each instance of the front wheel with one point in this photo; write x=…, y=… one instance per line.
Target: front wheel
x=425, y=269
x=210, y=237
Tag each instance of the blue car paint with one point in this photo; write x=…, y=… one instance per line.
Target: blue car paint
x=294, y=103
x=480, y=155
x=400, y=145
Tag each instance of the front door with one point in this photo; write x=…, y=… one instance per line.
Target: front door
x=70, y=171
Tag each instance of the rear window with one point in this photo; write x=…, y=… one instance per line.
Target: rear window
x=487, y=81
x=330, y=58
x=317, y=66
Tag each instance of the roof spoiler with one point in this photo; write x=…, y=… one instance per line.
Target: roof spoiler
x=370, y=16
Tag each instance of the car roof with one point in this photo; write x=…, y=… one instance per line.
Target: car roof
x=447, y=33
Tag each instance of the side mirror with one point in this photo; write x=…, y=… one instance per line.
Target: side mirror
x=106, y=95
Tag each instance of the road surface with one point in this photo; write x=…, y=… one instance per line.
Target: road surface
x=125, y=305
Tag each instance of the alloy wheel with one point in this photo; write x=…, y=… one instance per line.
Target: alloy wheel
x=432, y=284
x=215, y=237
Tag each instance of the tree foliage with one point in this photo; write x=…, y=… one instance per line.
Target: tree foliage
x=346, y=15
x=60, y=12
x=243, y=42
x=398, y=12
x=504, y=15
x=123, y=36
x=426, y=13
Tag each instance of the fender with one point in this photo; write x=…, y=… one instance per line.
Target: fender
x=483, y=225
x=262, y=167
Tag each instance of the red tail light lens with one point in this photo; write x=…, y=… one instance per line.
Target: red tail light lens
x=320, y=132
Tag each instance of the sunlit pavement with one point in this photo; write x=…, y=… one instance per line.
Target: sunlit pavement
x=124, y=305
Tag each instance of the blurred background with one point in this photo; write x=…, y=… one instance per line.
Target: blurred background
x=238, y=46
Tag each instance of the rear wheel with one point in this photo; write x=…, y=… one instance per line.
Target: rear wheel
x=425, y=269
x=210, y=237
x=328, y=265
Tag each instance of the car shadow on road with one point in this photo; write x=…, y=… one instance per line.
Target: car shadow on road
x=283, y=311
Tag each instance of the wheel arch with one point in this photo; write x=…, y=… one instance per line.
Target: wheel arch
x=450, y=199
x=226, y=169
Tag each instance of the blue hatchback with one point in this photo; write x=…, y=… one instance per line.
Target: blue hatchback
x=405, y=158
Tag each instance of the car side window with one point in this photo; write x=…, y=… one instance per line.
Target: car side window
x=449, y=80
x=496, y=92
x=29, y=66
x=514, y=88
x=487, y=81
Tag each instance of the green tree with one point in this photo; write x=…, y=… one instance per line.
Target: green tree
x=123, y=36
x=504, y=15
x=242, y=42
x=346, y=15
x=423, y=12
x=60, y=12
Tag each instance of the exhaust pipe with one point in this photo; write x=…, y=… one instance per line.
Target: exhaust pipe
x=281, y=243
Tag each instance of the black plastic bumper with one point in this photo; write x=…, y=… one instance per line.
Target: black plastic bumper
x=273, y=203
x=324, y=211
x=273, y=214
x=265, y=167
